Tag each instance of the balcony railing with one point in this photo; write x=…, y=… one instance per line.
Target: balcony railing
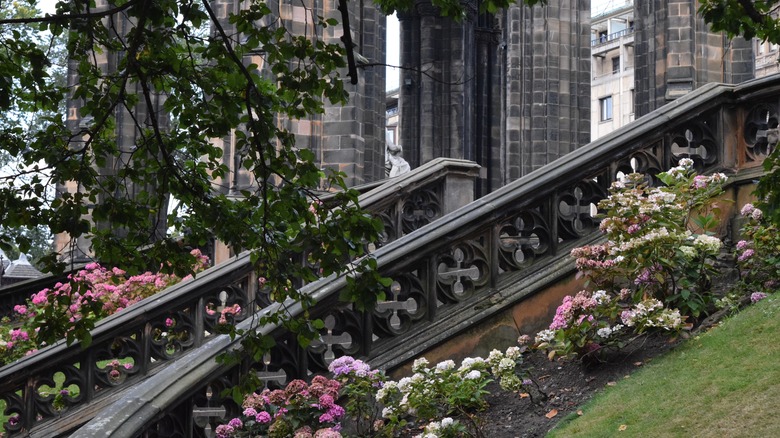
x=603, y=39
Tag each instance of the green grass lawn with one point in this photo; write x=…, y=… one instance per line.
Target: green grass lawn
x=725, y=383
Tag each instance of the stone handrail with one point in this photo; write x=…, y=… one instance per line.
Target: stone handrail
x=140, y=341
x=472, y=262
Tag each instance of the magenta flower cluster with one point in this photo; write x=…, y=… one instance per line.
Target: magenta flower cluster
x=349, y=366
x=90, y=294
x=298, y=410
x=757, y=296
x=572, y=307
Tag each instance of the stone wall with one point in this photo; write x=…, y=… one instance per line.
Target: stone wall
x=677, y=53
x=510, y=91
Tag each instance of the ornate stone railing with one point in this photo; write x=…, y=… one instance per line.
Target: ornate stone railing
x=139, y=342
x=471, y=263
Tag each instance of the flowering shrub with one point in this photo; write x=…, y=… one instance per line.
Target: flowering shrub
x=357, y=393
x=72, y=308
x=433, y=393
x=758, y=255
x=588, y=322
x=446, y=428
x=15, y=342
x=300, y=410
x=359, y=384
x=652, y=272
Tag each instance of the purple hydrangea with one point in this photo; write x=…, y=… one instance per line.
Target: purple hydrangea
x=263, y=417
x=757, y=296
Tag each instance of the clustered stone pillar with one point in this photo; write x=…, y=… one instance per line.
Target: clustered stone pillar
x=676, y=53
x=510, y=91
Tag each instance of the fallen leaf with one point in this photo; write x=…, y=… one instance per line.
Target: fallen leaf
x=622, y=427
x=551, y=414
x=580, y=412
x=524, y=395
x=611, y=383
x=638, y=363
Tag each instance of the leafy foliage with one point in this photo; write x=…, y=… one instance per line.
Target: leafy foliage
x=362, y=401
x=70, y=310
x=653, y=271
x=752, y=19
x=758, y=253
x=179, y=75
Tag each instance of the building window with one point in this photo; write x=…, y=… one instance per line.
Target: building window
x=605, y=104
x=390, y=134
x=616, y=65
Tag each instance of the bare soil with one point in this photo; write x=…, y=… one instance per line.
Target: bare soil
x=566, y=385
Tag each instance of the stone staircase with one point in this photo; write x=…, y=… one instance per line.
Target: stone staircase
x=491, y=269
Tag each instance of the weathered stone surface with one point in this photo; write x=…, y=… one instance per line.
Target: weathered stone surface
x=675, y=46
x=496, y=88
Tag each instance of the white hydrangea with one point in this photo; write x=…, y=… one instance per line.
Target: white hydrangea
x=658, y=196
x=686, y=163
x=688, y=251
x=513, y=352
x=419, y=364
x=709, y=244
x=445, y=366
x=473, y=375
x=668, y=319
x=404, y=384
x=546, y=335
x=494, y=356
x=471, y=362
x=607, y=332
x=604, y=332
x=600, y=296
x=506, y=364
x=718, y=177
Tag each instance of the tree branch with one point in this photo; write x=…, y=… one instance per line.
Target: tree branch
x=48, y=18
x=751, y=11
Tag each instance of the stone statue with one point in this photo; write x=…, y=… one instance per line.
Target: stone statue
x=394, y=162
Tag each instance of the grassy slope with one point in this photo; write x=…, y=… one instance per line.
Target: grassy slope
x=725, y=383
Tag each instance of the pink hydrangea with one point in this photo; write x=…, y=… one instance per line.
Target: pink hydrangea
x=263, y=417
x=757, y=296
x=700, y=181
x=327, y=433
x=224, y=431
x=19, y=335
x=746, y=255
x=562, y=314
